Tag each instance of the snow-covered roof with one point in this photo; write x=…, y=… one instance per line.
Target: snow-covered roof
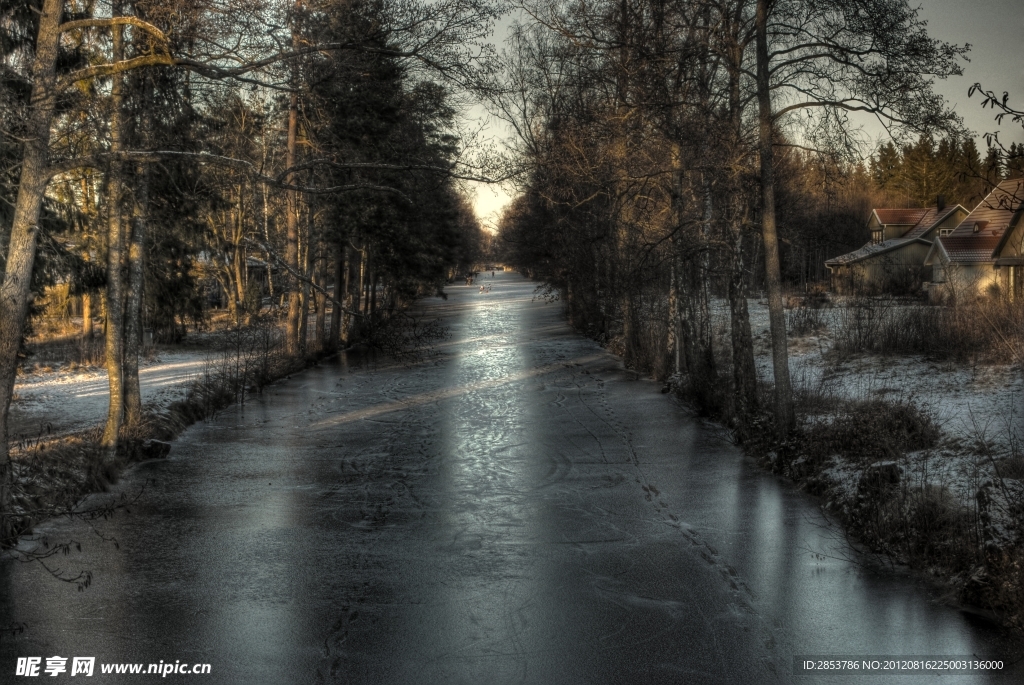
x=871, y=250
x=927, y=219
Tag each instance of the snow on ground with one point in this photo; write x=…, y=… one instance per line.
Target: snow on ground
x=971, y=403
x=61, y=401
x=979, y=408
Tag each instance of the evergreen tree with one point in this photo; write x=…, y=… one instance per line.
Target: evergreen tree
x=1015, y=161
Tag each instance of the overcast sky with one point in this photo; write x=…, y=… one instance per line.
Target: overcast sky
x=995, y=31
x=993, y=28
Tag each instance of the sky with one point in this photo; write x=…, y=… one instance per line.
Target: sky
x=995, y=31
x=993, y=28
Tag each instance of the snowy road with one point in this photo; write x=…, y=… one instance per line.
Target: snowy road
x=66, y=402
x=516, y=509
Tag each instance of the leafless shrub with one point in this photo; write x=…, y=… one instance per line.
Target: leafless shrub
x=1013, y=466
x=990, y=328
x=869, y=431
x=648, y=351
x=252, y=356
x=401, y=336
x=51, y=476
x=961, y=519
x=805, y=319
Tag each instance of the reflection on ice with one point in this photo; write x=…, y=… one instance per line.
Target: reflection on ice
x=520, y=509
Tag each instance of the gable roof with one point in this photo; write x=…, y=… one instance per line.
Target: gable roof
x=928, y=218
x=970, y=249
x=981, y=235
x=899, y=217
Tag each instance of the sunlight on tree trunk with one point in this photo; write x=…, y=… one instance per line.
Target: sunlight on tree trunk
x=114, y=347
x=133, y=304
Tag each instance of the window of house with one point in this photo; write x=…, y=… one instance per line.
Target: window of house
x=945, y=231
x=876, y=237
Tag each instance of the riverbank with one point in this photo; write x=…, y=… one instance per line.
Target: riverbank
x=918, y=458
x=59, y=408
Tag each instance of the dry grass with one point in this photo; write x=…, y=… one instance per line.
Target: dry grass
x=869, y=430
x=51, y=475
x=988, y=329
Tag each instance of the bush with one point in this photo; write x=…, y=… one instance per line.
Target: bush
x=870, y=431
x=805, y=319
x=939, y=527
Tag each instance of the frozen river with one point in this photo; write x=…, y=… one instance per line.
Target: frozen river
x=516, y=508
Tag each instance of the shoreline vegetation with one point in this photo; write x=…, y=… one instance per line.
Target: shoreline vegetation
x=53, y=474
x=878, y=441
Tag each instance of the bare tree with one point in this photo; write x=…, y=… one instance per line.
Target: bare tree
x=827, y=59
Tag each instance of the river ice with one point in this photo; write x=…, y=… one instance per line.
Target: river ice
x=514, y=508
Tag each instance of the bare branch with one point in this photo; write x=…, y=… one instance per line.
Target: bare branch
x=295, y=274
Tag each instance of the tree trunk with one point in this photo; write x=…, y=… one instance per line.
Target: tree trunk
x=744, y=372
x=373, y=294
x=291, y=252
x=238, y=259
x=266, y=237
x=673, y=344
x=21, y=251
x=785, y=418
x=321, y=305
x=339, y=296
x=304, y=296
x=87, y=316
x=114, y=347
x=350, y=300
x=360, y=306
x=133, y=307
x=675, y=331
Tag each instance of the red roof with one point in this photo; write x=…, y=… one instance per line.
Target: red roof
x=929, y=218
x=900, y=217
x=996, y=209
x=933, y=216
x=971, y=249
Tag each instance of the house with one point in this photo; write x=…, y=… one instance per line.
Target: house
x=893, y=261
x=985, y=253
x=219, y=275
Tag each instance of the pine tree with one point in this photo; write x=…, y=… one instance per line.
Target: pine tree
x=1015, y=161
